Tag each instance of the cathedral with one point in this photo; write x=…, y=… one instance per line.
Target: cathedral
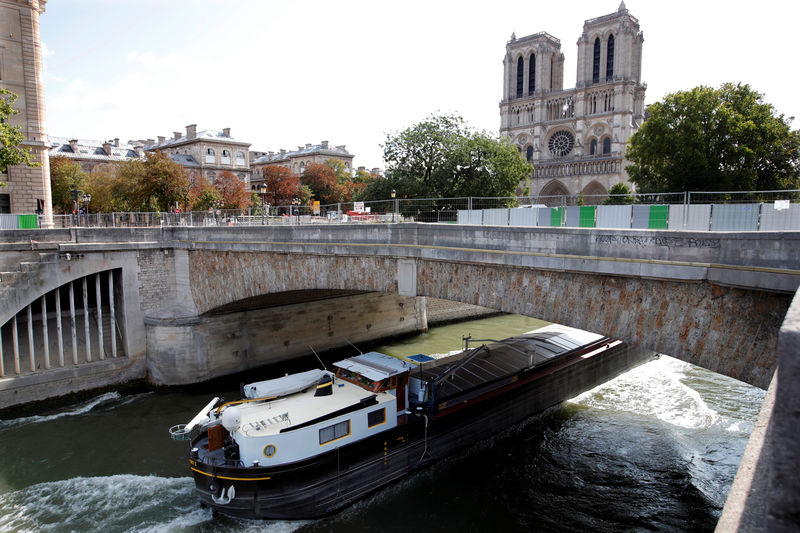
x=575, y=138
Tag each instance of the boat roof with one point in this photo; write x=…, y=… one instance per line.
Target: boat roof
x=375, y=366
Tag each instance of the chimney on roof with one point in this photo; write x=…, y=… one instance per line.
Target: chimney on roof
x=362, y=169
x=116, y=142
x=161, y=139
x=73, y=145
x=191, y=131
x=271, y=154
x=325, y=144
x=226, y=132
x=139, y=150
x=283, y=152
x=107, y=147
x=176, y=134
x=341, y=148
x=151, y=141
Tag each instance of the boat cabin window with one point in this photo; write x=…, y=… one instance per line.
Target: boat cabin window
x=334, y=432
x=376, y=418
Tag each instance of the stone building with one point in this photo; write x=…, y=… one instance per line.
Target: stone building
x=209, y=152
x=28, y=188
x=89, y=154
x=576, y=138
x=297, y=160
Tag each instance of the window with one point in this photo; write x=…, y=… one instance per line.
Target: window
x=593, y=147
x=240, y=158
x=610, y=59
x=226, y=157
x=607, y=145
x=531, y=74
x=596, y=62
x=210, y=156
x=376, y=418
x=520, y=74
x=334, y=432
x=561, y=143
x=5, y=203
x=529, y=153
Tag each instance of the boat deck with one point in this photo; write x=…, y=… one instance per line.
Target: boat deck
x=501, y=360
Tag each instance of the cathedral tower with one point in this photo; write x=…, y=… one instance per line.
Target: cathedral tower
x=21, y=71
x=576, y=138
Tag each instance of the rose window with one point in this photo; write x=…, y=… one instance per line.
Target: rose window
x=561, y=143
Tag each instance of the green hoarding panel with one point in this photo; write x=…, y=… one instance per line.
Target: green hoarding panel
x=28, y=222
x=587, y=216
x=555, y=216
x=658, y=217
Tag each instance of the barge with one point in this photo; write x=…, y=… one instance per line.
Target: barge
x=308, y=444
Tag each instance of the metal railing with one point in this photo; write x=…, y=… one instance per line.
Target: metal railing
x=725, y=211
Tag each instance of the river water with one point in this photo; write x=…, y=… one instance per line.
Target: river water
x=654, y=450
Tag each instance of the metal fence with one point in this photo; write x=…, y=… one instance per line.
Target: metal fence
x=716, y=211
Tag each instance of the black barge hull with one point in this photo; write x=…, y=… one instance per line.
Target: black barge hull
x=328, y=482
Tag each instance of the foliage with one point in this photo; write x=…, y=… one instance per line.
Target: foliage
x=619, y=194
x=11, y=153
x=232, y=190
x=710, y=139
x=282, y=185
x=65, y=175
x=342, y=174
x=322, y=181
x=441, y=157
x=202, y=194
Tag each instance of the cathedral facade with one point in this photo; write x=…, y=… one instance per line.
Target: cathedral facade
x=575, y=138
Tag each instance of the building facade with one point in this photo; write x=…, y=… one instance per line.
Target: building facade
x=297, y=160
x=21, y=71
x=575, y=138
x=209, y=152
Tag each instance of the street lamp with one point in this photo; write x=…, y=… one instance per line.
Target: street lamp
x=86, y=198
x=262, y=190
x=394, y=201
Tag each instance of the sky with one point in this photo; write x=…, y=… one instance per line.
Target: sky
x=281, y=74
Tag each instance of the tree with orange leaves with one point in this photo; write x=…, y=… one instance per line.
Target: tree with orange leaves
x=282, y=185
x=233, y=190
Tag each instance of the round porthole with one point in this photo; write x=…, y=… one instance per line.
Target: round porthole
x=269, y=450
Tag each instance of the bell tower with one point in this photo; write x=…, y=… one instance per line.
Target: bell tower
x=610, y=49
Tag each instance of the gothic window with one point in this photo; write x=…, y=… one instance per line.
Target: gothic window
x=610, y=59
x=520, y=74
x=607, y=145
x=596, y=62
x=593, y=147
x=561, y=143
x=531, y=74
x=529, y=153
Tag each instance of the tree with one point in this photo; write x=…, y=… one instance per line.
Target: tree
x=441, y=157
x=202, y=194
x=714, y=140
x=232, y=190
x=619, y=194
x=65, y=175
x=11, y=153
x=282, y=185
x=321, y=179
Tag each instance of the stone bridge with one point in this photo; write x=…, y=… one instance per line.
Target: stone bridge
x=182, y=305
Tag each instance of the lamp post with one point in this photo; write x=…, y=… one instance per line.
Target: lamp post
x=86, y=198
x=262, y=190
x=75, y=195
x=394, y=205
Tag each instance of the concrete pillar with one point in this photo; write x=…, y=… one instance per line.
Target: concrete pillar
x=45, y=334
x=87, y=333
x=112, y=314
x=15, y=340
x=31, y=354
x=72, y=322
x=421, y=311
x=59, y=331
x=99, y=303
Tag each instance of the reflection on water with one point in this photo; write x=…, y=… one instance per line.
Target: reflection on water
x=655, y=449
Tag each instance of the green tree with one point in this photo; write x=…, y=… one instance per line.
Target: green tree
x=65, y=175
x=714, y=140
x=154, y=184
x=441, y=157
x=11, y=153
x=619, y=194
x=321, y=179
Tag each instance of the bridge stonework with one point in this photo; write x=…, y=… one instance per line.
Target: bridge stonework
x=713, y=299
